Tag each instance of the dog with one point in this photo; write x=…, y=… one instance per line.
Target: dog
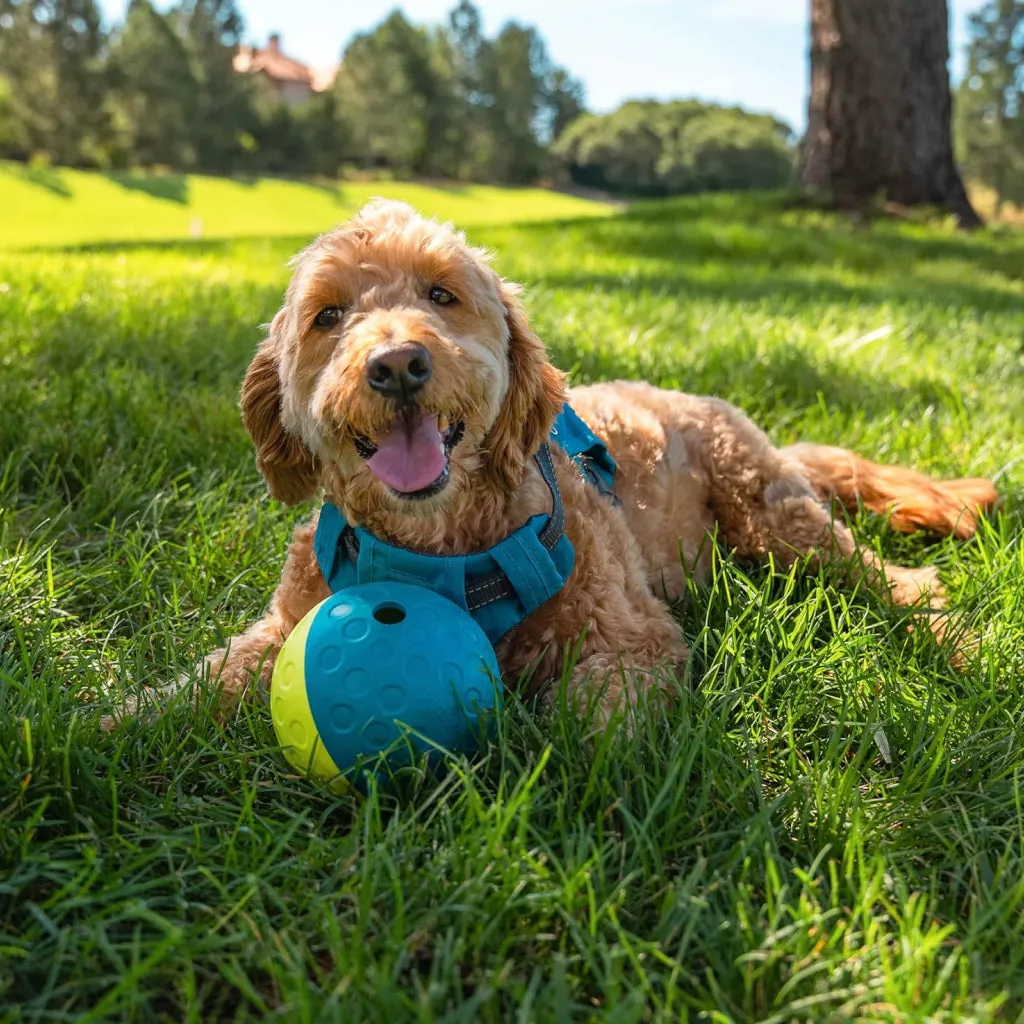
x=402, y=381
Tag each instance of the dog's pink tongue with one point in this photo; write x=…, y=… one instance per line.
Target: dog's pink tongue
x=410, y=456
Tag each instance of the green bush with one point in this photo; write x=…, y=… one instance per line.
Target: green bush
x=660, y=149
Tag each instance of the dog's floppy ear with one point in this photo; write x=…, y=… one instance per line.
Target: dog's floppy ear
x=286, y=463
x=535, y=396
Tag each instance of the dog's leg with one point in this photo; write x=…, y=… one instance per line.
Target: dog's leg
x=249, y=657
x=766, y=506
x=607, y=683
x=911, y=500
x=631, y=645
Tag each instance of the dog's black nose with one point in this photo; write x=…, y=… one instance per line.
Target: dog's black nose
x=398, y=371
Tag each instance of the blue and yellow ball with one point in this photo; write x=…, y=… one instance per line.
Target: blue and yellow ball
x=375, y=663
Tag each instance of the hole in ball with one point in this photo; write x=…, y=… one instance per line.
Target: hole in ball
x=389, y=614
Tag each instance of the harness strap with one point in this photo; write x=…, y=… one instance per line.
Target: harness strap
x=496, y=586
x=598, y=480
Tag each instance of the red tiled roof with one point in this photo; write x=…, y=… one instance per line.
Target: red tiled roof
x=273, y=63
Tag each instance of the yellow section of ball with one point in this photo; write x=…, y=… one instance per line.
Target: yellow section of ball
x=291, y=714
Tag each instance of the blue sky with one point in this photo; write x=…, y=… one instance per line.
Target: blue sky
x=749, y=52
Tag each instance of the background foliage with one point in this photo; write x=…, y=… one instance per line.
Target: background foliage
x=160, y=89
x=990, y=101
x=440, y=102
x=444, y=101
x=671, y=148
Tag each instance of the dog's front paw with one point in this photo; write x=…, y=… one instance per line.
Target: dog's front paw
x=610, y=692
x=232, y=676
x=230, y=672
x=154, y=700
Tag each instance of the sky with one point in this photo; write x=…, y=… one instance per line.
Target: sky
x=747, y=52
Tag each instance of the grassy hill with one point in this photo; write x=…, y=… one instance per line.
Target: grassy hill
x=828, y=826
x=57, y=206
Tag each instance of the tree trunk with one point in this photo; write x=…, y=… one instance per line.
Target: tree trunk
x=880, y=104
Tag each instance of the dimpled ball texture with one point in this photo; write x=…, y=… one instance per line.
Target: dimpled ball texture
x=375, y=662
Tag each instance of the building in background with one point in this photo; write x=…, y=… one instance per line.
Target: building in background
x=291, y=81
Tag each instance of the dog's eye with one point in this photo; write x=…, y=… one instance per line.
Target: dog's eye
x=329, y=316
x=441, y=296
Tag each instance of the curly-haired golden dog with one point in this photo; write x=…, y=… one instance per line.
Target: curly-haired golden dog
x=402, y=380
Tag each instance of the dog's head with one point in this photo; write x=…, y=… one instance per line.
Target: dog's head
x=400, y=372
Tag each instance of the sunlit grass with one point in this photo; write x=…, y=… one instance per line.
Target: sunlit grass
x=830, y=824
x=984, y=200
x=60, y=206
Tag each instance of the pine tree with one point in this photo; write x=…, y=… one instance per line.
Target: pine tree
x=51, y=53
x=154, y=95
x=212, y=31
x=990, y=101
x=879, y=114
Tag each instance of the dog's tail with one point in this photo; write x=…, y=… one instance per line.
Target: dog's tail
x=911, y=500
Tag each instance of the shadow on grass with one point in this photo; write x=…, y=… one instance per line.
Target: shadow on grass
x=327, y=186
x=49, y=178
x=192, y=247
x=767, y=253
x=749, y=282
x=767, y=230
x=763, y=383
x=170, y=187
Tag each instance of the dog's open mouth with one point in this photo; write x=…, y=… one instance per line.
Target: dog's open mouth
x=413, y=457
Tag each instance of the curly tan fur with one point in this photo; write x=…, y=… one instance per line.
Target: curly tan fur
x=689, y=467
x=912, y=501
x=285, y=462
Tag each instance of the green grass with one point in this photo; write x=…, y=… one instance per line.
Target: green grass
x=58, y=206
x=751, y=856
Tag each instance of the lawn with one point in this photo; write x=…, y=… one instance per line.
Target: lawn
x=57, y=206
x=829, y=825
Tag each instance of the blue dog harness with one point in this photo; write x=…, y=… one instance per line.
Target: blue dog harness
x=499, y=587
